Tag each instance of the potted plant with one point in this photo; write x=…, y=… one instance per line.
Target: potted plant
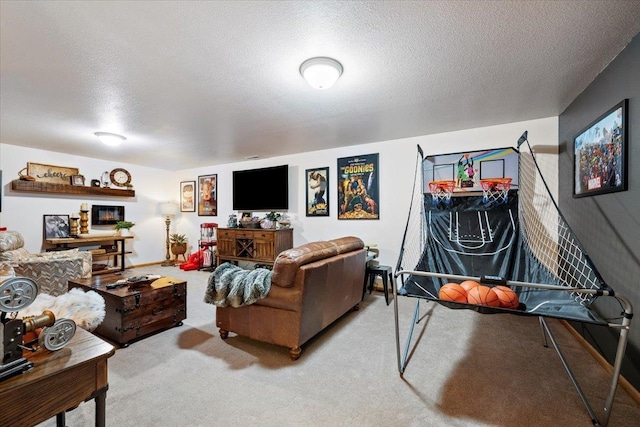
x=270, y=220
x=178, y=244
x=122, y=227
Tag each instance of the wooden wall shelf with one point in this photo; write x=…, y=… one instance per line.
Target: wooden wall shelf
x=47, y=187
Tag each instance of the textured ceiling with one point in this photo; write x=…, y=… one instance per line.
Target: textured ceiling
x=202, y=83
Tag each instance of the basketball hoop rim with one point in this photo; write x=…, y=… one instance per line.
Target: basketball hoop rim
x=443, y=185
x=503, y=183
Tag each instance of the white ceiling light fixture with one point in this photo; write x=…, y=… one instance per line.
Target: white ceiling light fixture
x=108, y=138
x=321, y=72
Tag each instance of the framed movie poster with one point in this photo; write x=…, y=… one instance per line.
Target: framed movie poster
x=600, y=154
x=187, y=196
x=56, y=226
x=317, y=191
x=208, y=195
x=358, y=190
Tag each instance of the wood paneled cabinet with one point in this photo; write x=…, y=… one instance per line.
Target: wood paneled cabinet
x=260, y=246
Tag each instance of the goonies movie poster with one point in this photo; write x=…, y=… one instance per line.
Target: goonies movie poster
x=358, y=187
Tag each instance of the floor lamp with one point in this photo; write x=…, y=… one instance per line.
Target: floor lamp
x=168, y=209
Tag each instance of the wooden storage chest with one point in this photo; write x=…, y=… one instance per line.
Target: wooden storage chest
x=135, y=312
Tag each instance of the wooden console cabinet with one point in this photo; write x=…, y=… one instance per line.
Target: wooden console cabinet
x=260, y=245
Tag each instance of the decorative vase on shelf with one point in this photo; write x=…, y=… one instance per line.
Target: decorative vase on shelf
x=284, y=221
x=267, y=223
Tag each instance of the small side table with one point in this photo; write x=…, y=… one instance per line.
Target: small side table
x=80, y=368
x=385, y=272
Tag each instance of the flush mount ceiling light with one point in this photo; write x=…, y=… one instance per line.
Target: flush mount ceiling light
x=321, y=72
x=112, y=139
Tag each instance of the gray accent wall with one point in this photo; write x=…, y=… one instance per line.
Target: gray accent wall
x=608, y=225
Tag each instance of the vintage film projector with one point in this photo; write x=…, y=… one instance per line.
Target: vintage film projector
x=29, y=333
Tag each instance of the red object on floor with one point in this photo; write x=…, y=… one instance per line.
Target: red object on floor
x=193, y=262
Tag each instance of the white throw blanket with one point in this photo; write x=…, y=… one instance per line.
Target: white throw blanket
x=85, y=308
x=230, y=285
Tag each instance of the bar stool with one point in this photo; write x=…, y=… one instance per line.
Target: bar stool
x=385, y=272
x=372, y=254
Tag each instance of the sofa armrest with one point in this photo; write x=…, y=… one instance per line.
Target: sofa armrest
x=85, y=256
x=51, y=275
x=6, y=271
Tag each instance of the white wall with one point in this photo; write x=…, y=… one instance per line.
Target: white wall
x=397, y=167
x=24, y=212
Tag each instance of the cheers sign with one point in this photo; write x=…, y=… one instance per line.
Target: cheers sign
x=50, y=173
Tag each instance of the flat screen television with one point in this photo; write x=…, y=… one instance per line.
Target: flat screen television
x=265, y=189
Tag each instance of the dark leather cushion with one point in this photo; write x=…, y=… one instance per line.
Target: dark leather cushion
x=288, y=262
x=347, y=244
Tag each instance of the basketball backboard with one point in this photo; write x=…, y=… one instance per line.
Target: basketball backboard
x=468, y=168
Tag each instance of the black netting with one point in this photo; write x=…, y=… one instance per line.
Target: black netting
x=521, y=237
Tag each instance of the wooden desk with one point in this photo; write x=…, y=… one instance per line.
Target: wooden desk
x=72, y=242
x=59, y=381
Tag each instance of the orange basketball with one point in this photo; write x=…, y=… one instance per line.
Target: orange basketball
x=508, y=298
x=469, y=284
x=483, y=295
x=453, y=292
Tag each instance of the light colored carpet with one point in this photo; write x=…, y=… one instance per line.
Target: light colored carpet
x=468, y=370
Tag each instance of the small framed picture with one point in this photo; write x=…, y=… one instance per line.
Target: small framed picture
x=77, y=179
x=317, y=191
x=600, y=154
x=208, y=195
x=56, y=226
x=187, y=196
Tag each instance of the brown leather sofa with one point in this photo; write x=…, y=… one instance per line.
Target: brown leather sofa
x=311, y=287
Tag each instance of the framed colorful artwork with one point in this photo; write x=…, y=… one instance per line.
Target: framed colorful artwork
x=358, y=187
x=187, y=196
x=317, y=199
x=600, y=154
x=208, y=195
